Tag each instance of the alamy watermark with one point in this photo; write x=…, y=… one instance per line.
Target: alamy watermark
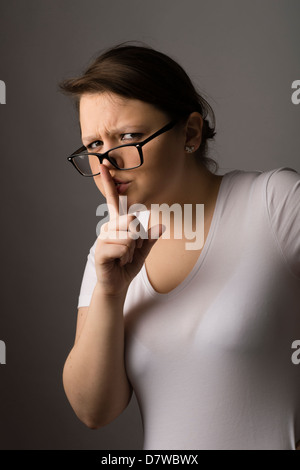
x=296, y=94
x=296, y=354
x=2, y=352
x=2, y=92
x=174, y=215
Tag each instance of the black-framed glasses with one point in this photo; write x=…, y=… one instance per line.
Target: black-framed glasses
x=123, y=157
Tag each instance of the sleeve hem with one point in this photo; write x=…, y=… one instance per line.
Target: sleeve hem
x=84, y=301
x=277, y=242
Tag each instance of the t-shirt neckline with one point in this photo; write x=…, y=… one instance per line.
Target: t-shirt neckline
x=203, y=254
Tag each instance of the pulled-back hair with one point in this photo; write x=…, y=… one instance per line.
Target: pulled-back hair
x=140, y=72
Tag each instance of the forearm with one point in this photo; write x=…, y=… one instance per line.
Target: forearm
x=94, y=375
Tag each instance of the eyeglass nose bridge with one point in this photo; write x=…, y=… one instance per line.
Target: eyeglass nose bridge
x=105, y=157
x=108, y=157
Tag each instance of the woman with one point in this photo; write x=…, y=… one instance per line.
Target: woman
x=202, y=334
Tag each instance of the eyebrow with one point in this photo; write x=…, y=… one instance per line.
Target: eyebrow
x=120, y=130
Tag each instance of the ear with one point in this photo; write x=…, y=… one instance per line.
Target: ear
x=193, y=132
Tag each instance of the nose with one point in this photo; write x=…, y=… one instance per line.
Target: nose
x=107, y=164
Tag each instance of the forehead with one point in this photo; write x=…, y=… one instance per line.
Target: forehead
x=108, y=111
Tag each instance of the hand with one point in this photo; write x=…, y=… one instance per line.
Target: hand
x=120, y=249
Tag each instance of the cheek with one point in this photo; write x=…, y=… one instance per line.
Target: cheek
x=160, y=168
x=157, y=159
x=154, y=170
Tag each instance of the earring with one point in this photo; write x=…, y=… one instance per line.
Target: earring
x=189, y=149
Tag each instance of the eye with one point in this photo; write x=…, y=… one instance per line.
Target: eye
x=94, y=145
x=131, y=136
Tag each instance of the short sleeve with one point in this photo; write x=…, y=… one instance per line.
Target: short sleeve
x=283, y=203
x=89, y=279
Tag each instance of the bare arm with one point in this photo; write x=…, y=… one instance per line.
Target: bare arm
x=94, y=374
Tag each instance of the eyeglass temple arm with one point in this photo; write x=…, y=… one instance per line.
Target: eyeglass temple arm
x=80, y=150
x=161, y=131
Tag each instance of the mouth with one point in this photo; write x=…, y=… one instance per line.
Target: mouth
x=117, y=181
x=121, y=186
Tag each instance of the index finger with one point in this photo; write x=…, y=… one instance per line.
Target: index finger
x=111, y=193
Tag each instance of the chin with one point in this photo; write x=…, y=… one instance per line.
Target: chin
x=137, y=201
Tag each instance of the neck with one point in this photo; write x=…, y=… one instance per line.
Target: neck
x=197, y=186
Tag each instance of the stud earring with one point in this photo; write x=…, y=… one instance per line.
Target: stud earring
x=189, y=149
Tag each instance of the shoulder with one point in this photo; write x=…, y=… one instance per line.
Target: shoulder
x=274, y=195
x=282, y=196
x=273, y=182
x=282, y=182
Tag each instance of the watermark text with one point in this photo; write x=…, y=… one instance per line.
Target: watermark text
x=296, y=94
x=2, y=352
x=296, y=354
x=180, y=222
x=151, y=459
x=2, y=92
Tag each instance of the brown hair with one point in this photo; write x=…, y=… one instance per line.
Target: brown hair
x=142, y=73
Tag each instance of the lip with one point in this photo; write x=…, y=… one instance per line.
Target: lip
x=116, y=180
x=122, y=186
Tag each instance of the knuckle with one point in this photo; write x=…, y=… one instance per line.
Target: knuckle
x=104, y=229
x=131, y=217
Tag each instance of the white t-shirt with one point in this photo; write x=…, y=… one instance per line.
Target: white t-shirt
x=211, y=361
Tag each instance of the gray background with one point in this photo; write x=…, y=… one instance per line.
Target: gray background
x=243, y=55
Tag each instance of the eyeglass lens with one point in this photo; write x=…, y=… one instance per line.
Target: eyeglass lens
x=124, y=158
